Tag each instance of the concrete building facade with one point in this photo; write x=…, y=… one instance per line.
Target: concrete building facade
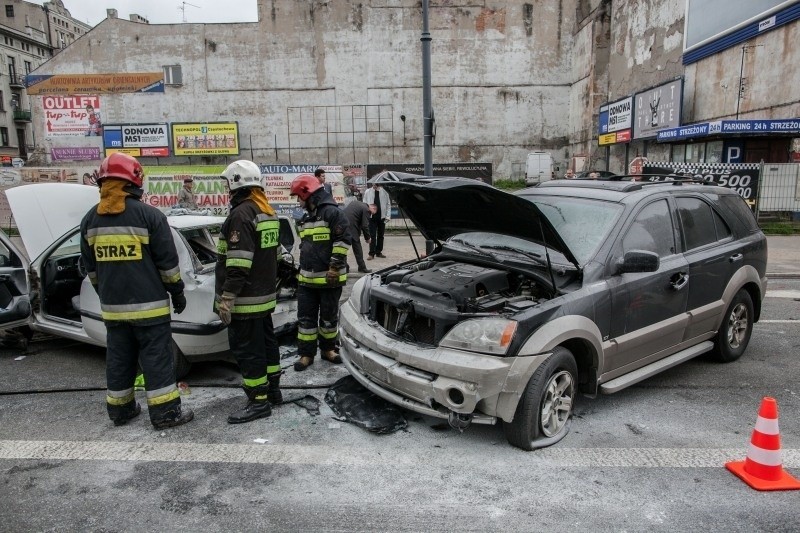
x=340, y=82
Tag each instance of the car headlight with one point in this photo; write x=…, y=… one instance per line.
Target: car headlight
x=485, y=335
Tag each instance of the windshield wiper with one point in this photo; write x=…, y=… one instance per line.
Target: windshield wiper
x=473, y=247
x=537, y=258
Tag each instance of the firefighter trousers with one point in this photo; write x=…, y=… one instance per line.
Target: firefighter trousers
x=151, y=347
x=255, y=347
x=317, y=318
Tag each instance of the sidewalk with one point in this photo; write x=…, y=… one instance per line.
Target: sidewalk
x=783, y=261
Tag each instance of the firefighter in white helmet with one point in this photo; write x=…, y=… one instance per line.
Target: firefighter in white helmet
x=247, y=264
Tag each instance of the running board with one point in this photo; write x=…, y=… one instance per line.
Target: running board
x=652, y=369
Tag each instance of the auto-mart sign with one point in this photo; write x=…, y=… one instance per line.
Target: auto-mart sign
x=138, y=140
x=730, y=127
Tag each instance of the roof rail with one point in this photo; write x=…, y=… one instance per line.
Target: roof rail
x=671, y=180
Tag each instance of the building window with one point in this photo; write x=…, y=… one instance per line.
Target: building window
x=2, y=102
x=9, y=11
x=173, y=75
x=28, y=67
x=4, y=136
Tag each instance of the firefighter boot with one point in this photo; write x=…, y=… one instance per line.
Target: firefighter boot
x=332, y=356
x=274, y=394
x=257, y=406
x=174, y=416
x=120, y=414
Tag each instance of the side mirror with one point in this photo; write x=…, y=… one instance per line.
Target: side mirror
x=638, y=261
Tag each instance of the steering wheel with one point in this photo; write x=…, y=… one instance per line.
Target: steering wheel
x=81, y=268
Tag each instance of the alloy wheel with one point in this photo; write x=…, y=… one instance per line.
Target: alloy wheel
x=557, y=403
x=738, y=323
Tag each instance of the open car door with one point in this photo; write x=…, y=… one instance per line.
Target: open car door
x=15, y=303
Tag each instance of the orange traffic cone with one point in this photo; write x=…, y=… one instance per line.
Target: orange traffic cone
x=762, y=469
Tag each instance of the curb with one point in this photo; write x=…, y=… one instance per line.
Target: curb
x=783, y=275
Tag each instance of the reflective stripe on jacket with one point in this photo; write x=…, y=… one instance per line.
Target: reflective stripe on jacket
x=131, y=260
x=324, y=242
x=247, y=260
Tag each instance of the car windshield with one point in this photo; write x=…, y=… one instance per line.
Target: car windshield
x=582, y=224
x=202, y=247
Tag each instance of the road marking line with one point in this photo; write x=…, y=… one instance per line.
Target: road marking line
x=788, y=293
x=777, y=321
x=325, y=455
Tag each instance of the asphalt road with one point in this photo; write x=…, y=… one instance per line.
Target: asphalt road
x=649, y=458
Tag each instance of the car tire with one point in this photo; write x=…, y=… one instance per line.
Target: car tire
x=181, y=364
x=737, y=327
x=544, y=410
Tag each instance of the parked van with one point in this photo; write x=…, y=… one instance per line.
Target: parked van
x=539, y=168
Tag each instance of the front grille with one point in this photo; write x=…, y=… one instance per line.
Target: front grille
x=406, y=324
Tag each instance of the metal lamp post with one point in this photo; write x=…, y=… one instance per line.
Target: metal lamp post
x=427, y=110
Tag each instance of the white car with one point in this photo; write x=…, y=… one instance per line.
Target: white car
x=50, y=292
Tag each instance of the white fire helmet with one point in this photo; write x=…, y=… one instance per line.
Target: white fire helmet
x=241, y=174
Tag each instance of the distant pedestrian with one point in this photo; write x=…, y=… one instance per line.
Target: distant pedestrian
x=186, y=195
x=358, y=215
x=594, y=175
x=379, y=198
x=570, y=174
x=320, y=175
x=131, y=260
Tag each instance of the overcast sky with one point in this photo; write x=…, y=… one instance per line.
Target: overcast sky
x=164, y=11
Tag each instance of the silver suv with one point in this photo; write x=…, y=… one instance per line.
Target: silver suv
x=570, y=286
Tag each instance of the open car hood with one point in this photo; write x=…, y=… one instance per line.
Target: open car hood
x=443, y=207
x=44, y=212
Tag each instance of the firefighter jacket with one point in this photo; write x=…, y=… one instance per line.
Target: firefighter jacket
x=247, y=259
x=132, y=262
x=324, y=242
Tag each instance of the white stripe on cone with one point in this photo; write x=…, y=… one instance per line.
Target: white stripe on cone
x=767, y=426
x=764, y=457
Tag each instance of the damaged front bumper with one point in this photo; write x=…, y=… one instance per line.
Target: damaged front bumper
x=434, y=381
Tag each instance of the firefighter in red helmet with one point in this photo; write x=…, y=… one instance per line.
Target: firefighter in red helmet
x=132, y=262
x=325, y=241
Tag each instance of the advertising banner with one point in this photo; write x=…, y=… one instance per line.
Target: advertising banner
x=657, y=108
x=115, y=83
x=66, y=116
x=208, y=138
x=77, y=153
x=138, y=140
x=475, y=171
x=616, y=116
x=741, y=177
x=162, y=183
x=14, y=177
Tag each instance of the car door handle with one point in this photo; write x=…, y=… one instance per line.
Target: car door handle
x=679, y=280
x=735, y=258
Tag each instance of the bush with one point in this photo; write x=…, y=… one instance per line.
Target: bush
x=780, y=228
x=509, y=185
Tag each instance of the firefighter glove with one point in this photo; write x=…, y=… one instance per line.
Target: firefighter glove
x=332, y=276
x=178, y=303
x=224, y=307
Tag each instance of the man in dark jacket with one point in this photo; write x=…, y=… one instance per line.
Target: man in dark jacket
x=131, y=260
x=247, y=266
x=358, y=216
x=325, y=241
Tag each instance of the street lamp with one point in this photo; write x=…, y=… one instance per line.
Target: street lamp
x=427, y=111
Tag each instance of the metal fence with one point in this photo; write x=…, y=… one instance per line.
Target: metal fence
x=779, y=192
